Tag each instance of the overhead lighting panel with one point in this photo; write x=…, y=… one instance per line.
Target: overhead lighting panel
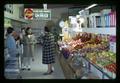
x=93, y=5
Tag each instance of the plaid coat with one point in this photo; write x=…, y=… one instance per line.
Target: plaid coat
x=48, y=49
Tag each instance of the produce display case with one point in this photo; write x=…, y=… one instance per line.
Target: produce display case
x=94, y=48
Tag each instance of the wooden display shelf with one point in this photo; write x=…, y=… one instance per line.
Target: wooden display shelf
x=68, y=72
x=72, y=72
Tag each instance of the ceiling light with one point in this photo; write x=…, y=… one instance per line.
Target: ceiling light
x=93, y=5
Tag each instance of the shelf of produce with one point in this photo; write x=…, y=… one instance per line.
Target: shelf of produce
x=110, y=31
x=99, y=68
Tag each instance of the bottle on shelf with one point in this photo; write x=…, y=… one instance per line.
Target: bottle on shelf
x=98, y=21
x=102, y=20
x=95, y=20
x=112, y=15
x=105, y=19
x=112, y=42
x=114, y=18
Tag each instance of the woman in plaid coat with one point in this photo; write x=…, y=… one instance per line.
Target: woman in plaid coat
x=48, y=50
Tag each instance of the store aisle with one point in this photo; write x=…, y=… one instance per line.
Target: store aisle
x=37, y=68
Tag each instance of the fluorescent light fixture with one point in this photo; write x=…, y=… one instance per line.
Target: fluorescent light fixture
x=93, y=5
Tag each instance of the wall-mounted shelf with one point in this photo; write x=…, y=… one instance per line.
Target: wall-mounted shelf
x=110, y=31
x=17, y=19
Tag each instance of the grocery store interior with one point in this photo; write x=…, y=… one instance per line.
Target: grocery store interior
x=84, y=36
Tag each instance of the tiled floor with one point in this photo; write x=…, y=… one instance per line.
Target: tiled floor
x=37, y=68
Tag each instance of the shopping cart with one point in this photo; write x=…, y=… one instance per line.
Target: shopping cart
x=12, y=66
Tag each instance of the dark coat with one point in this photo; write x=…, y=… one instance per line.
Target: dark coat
x=48, y=49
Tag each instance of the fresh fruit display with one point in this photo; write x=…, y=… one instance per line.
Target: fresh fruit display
x=78, y=47
x=74, y=43
x=92, y=57
x=102, y=62
x=88, y=42
x=101, y=58
x=95, y=47
x=108, y=55
x=111, y=67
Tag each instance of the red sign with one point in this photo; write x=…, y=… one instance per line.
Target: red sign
x=28, y=13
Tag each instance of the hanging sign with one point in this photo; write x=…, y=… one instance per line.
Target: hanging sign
x=41, y=14
x=37, y=14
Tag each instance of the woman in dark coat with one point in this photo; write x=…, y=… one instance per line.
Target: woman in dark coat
x=48, y=50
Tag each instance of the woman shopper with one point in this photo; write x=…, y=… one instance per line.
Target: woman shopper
x=29, y=41
x=32, y=42
x=48, y=50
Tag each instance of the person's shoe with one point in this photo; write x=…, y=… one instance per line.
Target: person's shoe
x=48, y=73
x=24, y=67
x=53, y=69
x=28, y=68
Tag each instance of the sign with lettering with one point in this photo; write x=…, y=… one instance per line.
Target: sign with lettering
x=38, y=14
